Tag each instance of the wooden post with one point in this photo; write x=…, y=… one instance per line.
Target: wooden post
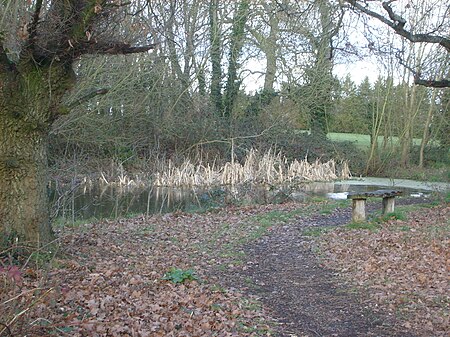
x=388, y=205
x=359, y=210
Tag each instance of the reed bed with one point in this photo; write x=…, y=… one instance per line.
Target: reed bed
x=268, y=168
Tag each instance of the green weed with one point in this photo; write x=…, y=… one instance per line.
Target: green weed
x=62, y=222
x=176, y=275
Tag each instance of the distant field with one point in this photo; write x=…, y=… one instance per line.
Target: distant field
x=362, y=141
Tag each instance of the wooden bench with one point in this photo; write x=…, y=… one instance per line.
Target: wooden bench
x=359, y=202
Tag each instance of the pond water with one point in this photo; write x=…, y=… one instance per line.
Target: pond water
x=108, y=202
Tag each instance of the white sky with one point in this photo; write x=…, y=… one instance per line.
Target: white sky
x=358, y=70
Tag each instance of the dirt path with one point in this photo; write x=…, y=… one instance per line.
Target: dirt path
x=305, y=298
x=111, y=279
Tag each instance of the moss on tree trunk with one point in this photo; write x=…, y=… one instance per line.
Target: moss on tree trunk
x=29, y=102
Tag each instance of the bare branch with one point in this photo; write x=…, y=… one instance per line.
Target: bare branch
x=87, y=97
x=112, y=48
x=6, y=328
x=444, y=83
x=432, y=83
x=397, y=23
x=32, y=29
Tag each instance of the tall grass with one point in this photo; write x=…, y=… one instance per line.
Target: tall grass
x=271, y=168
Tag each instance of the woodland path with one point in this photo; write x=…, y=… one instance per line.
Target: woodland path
x=306, y=299
x=110, y=281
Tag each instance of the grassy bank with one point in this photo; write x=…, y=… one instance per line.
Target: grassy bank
x=363, y=141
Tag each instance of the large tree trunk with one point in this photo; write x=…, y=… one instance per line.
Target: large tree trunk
x=29, y=101
x=24, y=206
x=321, y=78
x=31, y=89
x=271, y=51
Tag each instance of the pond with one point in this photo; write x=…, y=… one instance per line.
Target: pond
x=99, y=202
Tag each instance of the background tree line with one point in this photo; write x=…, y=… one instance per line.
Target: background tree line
x=97, y=81
x=192, y=90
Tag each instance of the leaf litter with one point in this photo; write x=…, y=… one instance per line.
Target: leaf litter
x=403, y=267
x=112, y=278
x=109, y=278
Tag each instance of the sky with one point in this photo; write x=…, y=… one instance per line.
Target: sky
x=357, y=70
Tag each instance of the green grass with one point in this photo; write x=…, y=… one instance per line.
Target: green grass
x=264, y=328
x=372, y=226
x=329, y=207
x=397, y=215
x=270, y=218
x=317, y=231
x=362, y=141
x=61, y=222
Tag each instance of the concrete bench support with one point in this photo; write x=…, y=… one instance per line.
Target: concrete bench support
x=388, y=205
x=359, y=202
x=358, y=210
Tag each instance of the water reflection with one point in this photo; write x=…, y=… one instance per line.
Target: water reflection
x=99, y=202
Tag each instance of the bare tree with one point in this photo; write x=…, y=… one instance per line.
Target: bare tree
x=36, y=60
x=431, y=28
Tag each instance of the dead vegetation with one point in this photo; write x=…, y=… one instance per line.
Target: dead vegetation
x=269, y=168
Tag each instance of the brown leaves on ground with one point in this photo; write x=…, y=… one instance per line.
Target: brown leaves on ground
x=404, y=266
x=108, y=281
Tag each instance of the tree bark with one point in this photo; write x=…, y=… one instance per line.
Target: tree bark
x=271, y=51
x=29, y=102
x=426, y=129
x=236, y=43
x=215, y=54
x=321, y=74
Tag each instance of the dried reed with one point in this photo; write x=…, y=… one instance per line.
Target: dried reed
x=268, y=168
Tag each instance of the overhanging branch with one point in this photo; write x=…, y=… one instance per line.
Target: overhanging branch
x=444, y=83
x=432, y=83
x=397, y=23
x=122, y=48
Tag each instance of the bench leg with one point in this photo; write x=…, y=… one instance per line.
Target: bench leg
x=359, y=210
x=388, y=205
